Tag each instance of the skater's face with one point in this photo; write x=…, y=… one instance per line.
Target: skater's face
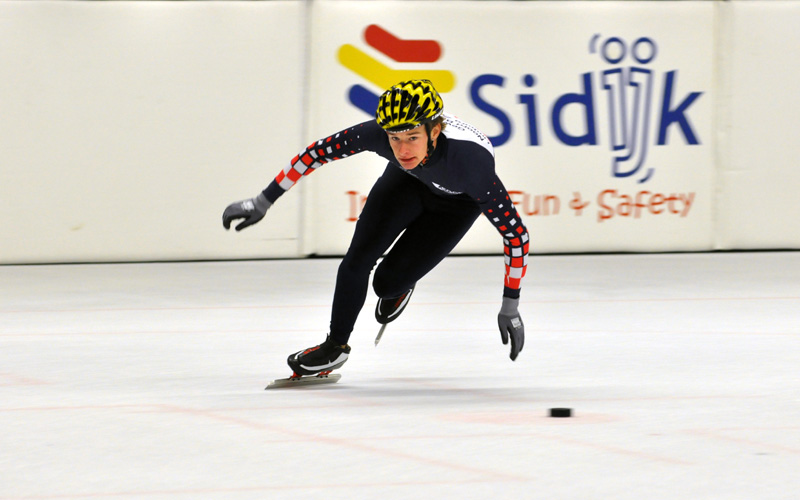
x=411, y=147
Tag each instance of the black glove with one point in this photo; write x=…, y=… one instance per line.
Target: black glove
x=510, y=324
x=251, y=211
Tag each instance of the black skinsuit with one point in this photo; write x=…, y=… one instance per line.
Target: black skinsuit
x=435, y=203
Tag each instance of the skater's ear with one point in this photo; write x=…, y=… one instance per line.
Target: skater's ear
x=435, y=128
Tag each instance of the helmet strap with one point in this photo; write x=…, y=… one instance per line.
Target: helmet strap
x=428, y=127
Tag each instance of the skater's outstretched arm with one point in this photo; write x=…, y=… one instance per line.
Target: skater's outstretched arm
x=472, y=154
x=497, y=206
x=367, y=136
x=515, y=248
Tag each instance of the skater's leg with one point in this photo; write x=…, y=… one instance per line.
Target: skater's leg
x=424, y=244
x=393, y=202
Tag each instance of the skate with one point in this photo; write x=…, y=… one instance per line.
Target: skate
x=315, y=364
x=389, y=309
x=323, y=377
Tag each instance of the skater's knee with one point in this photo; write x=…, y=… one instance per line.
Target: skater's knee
x=389, y=284
x=379, y=286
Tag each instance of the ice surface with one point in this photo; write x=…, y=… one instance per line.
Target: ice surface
x=147, y=381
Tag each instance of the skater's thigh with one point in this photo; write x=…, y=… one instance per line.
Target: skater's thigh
x=391, y=206
x=428, y=240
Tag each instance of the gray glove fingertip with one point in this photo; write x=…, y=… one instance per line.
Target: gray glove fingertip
x=230, y=214
x=245, y=223
x=515, y=329
x=503, y=329
x=515, y=349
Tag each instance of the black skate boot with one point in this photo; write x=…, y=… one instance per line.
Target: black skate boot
x=322, y=358
x=389, y=309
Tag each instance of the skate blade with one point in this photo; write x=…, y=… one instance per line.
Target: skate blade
x=304, y=381
x=380, y=334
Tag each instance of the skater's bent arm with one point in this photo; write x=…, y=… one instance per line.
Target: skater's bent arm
x=365, y=136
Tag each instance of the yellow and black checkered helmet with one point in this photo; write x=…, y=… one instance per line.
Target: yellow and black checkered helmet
x=408, y=105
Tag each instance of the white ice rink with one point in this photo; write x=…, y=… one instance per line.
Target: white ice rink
x=146, y=381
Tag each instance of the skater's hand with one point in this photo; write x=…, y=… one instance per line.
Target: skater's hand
x=511, y=326
x=251, y=211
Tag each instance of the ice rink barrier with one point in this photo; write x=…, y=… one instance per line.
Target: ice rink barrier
x=127, y=127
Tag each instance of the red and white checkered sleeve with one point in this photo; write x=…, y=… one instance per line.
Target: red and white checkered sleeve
x=335, y=147
x=504, y=216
